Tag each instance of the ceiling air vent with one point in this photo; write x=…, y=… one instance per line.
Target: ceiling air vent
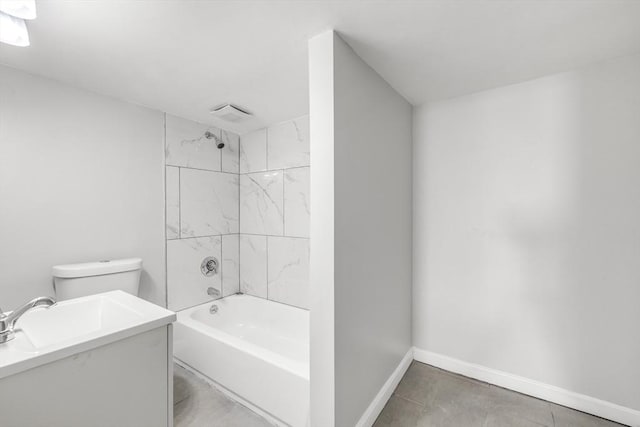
x=230, y=113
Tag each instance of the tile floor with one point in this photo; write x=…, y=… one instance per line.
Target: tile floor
x=428, y=396
x=425, y=397
x=197, y=404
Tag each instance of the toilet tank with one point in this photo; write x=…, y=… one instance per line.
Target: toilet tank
x=78, y=280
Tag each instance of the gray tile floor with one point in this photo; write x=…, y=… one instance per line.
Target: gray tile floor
x=428, y=396
x=197, y=404
x=425, y=397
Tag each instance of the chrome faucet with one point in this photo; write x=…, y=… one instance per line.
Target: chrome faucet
x=8, y=321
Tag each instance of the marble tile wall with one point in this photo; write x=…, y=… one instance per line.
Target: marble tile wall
x=274, y=212
x=202, y=211
x=247, y=205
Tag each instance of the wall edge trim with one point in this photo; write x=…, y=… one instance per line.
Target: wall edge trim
x=377, y=404
x=551, y=393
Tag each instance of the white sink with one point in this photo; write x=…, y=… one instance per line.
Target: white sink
x=47, y=334
x=75, y=319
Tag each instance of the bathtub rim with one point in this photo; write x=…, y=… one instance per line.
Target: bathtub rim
x=295, y=367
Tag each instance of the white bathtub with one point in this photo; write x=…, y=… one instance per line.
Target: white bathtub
x=257, y=349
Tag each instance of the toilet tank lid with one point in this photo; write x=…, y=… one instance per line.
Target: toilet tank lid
x=97, y=268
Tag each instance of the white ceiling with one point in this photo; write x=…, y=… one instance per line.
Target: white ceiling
x=185, y=57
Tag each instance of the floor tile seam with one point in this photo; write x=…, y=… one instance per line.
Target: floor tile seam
x=511, y=414
x=181, y=400
x=449, y=374
x=415, y=402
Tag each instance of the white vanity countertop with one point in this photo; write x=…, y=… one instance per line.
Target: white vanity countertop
x=44, y=335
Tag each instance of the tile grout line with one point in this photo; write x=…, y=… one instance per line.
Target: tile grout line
x=205, y=236
x=180, y=401
x=221, y=238
x=203, y=170
x=239, y=215
x=263, y=170
x=179, y=203
x=238, y=267
x=166, y=240
x=274, y=235
x=267, y=264
x=284, y=224
x=409, y=400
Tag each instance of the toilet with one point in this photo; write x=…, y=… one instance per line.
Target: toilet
x=78, y=280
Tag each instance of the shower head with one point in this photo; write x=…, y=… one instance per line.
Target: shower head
x=215, y=137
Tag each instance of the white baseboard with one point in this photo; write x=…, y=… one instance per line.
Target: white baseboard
x=378, y=402
x=533, y=388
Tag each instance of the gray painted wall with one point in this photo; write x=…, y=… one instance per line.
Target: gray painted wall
x=81, y=179
x=363, y=136
x=527, y=230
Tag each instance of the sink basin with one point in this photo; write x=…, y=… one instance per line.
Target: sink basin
x=73, y=319
x=47, y=334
